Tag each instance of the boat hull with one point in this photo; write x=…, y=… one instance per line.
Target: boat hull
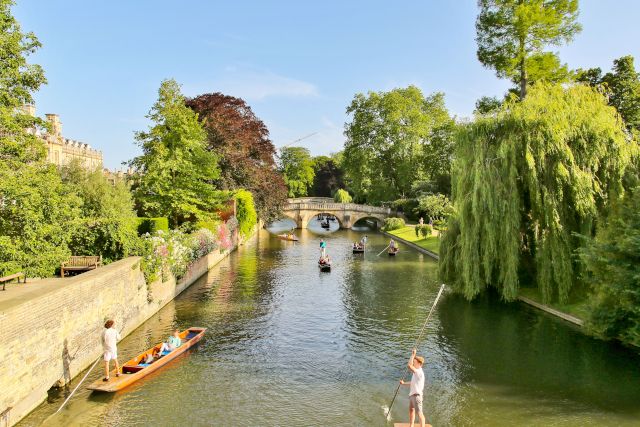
x=132, y=370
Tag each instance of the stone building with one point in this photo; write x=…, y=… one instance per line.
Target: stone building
x=61, y=150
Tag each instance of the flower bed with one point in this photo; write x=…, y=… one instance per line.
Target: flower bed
x=173, y=251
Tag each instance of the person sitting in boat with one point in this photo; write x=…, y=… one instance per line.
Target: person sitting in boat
x=172, y=343
x=324, y=260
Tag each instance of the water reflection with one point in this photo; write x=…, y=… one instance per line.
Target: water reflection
x=292, y=346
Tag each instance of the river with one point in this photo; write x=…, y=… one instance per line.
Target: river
x=289, y=345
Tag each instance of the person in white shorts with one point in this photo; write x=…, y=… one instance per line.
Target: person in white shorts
x=110, y=338
x=415, y=388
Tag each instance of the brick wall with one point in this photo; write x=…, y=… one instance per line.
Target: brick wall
x=48, y=340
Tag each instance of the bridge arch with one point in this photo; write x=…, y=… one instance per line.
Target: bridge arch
x=303, y=209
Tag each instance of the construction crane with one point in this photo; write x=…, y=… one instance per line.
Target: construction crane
x=293, y=142
x=298, y=140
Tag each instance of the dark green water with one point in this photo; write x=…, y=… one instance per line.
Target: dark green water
x=288, y=345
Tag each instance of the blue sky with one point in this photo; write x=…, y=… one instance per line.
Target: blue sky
x=297, y=63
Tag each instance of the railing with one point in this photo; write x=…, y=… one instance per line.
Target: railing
x=296, y=204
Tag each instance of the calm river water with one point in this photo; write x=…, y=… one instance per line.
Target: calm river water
x=287, y=345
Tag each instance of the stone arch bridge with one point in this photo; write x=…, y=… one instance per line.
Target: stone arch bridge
x=303, y=209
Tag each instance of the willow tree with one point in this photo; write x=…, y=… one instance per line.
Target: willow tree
x=527, y=179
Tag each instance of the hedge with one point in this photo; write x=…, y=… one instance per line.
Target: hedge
x=393, y=224
x=245, y=211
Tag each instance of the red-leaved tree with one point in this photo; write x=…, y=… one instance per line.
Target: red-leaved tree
x=246, y=154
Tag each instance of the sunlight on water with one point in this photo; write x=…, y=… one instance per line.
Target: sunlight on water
x=288, y=345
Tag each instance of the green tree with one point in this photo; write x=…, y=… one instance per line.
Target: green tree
x=296, y=165
x=512, y=36
x=18, y=81
x=622, y=87
x=434, y=206
x=487, y=105
x=175, y=171
x=393, y=139
x=342, y=196
x=37, y=217
x=612, y=262
x=36, y=210
x=108, y=226
x=525, y=180
x=328, y=177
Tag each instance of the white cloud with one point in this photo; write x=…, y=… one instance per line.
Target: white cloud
x=253, y=85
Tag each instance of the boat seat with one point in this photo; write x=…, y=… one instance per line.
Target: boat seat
x=143, y=365
x=191, y=335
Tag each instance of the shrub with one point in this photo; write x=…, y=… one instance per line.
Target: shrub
x=425, y=230
x=342, y=196
x=393, y=224
x=151, y=225
x=209, y=225
x=245, y=212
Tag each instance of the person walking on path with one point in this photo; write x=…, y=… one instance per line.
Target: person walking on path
x=421, y=221
x=323, y=247
x=416, y=385
x=110, y=338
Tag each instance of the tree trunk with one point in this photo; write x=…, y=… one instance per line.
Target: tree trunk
x=523, y=80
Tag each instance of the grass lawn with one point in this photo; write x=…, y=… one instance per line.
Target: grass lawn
x=431, y=243
x=576, y=308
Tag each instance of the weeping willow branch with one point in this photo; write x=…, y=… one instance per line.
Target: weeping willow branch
x=525, y=180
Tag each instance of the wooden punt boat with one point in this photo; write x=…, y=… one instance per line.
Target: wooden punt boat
x=291, y=238
x=393, y=252
x=358, y=250
x=135, y=368
x=325, y=225
x=324, y=267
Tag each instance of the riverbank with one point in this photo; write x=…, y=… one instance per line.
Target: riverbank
x=573, y=313
x=407, y=235
x=52, y=335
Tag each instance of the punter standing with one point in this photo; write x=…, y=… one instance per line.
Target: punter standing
x=110, y=338
x=323, y=247
x=415, y=388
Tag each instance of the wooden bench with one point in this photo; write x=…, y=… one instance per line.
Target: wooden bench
x=4, y=280
x=80, y=263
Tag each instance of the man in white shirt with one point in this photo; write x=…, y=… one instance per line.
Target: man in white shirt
x=110, y=338
x=415, y=388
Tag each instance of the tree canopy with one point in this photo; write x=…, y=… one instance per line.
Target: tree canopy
x=328, y=176
x=612, y=269
x=176, y=170
x=296, y=165
x=393, y=139
x=512, y=36
x=245, y=152
x=622, y=87
x=525, y=180
x=18, y=81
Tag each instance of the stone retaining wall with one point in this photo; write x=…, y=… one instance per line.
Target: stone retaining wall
x=49, y=339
